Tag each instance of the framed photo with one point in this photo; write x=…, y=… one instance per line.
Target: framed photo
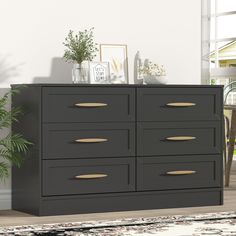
x=116, y=55
x=99, y=73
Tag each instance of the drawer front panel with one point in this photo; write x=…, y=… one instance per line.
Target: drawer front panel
x=178, y=172
x=173, y=104
x=63, y=177
x=88, y=140
x=165, y=138
x=76, y=104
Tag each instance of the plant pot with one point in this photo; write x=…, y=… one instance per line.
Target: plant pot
x=152, y=79
x=80, y=74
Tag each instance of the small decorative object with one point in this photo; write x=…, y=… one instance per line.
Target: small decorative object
x=137, y=63
x=80, y=48
x=12, y=145
x=116, y=55
x=99, y=73
x=152, y=73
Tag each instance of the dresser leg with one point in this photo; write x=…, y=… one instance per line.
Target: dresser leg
x=232, y=135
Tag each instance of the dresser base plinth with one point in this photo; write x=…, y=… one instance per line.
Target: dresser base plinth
x=94, y=203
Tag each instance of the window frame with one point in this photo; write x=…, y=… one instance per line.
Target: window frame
x=216, y=72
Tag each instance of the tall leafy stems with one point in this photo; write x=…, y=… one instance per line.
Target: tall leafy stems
x=80, y=47
x=12, y=145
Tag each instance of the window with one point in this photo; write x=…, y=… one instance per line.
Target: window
x=219, y=41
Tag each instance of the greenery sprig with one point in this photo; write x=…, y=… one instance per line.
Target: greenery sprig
x=80, y=47
x=152, y=69
x=13, y=144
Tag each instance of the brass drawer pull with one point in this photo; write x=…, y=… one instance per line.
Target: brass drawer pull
x=181, y=172
x=91, y=176
x=91, y=140
x=91, y=104
x=181, y=104
x=180, y=138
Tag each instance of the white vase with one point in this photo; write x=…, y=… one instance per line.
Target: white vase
x=79, y=74
x=152, y=79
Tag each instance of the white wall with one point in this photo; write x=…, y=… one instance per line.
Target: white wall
x=32, y=31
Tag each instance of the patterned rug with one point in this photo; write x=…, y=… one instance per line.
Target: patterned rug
x=223, y=223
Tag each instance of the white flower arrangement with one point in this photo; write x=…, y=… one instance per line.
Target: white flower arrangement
x=151, y=69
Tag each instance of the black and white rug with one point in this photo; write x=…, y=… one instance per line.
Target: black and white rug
x=215, y=224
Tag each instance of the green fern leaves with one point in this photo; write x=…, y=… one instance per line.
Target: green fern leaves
x=13, y=144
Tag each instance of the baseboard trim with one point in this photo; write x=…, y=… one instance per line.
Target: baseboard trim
x=5, y=199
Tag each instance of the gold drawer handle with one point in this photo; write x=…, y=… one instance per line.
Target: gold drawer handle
x=91, y=104
x=181, y=104
x=91, y=140
x=91, y=176
x=181, y=172
x=180, y=138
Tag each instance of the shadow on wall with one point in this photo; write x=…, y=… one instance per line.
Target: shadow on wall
x=8, y=72
x=60, y=72
x=3, y=91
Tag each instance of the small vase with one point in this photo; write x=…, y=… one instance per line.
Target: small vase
x=79, y=74
x=152, y=79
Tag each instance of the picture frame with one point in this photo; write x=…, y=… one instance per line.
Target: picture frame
x=117, y=56
x=99, y=73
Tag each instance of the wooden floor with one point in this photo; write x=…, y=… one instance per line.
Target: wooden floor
x=10, y=217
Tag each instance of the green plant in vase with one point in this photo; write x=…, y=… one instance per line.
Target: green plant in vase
x=12, y=145
x=79, y=48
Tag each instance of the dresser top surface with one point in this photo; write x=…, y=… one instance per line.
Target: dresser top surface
x=120, y=85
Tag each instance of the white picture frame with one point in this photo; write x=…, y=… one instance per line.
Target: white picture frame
x=99, y=73
x=116, y=55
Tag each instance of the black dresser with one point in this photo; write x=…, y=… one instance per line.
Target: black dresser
x=104, y=148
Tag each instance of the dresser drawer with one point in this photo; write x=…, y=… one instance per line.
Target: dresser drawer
x=63, y=177
x=88, y=140
x=83, y=104
x=173, y=138
x=178, y=172
x=173, y=104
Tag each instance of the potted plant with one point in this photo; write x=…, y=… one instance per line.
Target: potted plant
x=152, y=73
x=12, y=145
x=79, y=48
